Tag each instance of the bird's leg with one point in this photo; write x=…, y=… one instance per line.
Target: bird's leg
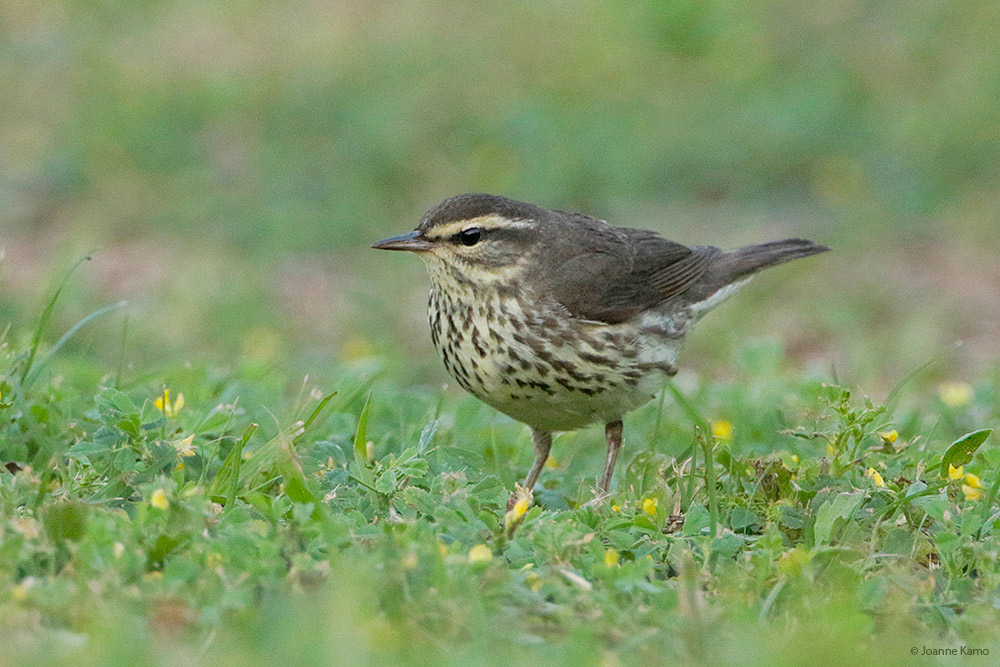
x=613, y=433
x=543, y=443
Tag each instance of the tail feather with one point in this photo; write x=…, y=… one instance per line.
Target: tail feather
x=739, y=265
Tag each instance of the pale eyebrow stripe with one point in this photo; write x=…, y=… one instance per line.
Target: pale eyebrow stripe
x=487, y=222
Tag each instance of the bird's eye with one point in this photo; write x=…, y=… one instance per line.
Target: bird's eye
x=470, y=236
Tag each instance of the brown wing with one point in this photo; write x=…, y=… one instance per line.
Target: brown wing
x=623, y=272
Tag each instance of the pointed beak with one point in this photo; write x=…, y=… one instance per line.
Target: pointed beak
x=413, y=241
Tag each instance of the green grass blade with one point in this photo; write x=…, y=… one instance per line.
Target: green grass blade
x=361, y=445
x=26, y=381
x=36, y=337
x=315, y=413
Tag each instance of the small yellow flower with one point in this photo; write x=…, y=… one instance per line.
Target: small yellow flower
x=551, y=463
x=889, y=436
x=159, y=500
x=516, y=513
x=533, y=581
x=955, y=394
x=971, y=492
x=19, y=592
x=955, y=473
x=722, y=430
x=830, y=451
x=795, y=458
x=973, y=480
x=185, y=447
x=876, y=477
x=442, y=548
x=649, y=506
x=169, y=409
x=118, y=549
x=155, y=575
x=611, y=558
x=616, y=509
x=480, y=554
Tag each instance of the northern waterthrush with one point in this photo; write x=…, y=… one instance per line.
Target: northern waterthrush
x=560, y=320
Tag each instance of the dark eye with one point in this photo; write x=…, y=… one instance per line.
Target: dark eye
x=470, y=236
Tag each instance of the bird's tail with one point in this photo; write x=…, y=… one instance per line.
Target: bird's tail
x=750, y=259
x=736, y=267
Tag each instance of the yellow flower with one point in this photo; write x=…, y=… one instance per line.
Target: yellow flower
x=551, y=463
x=830, y=451
x=533, y=581
x=955, y=394
x=185, y=447
x=955, y=473
x=722, y=430
x=889, y=436
x=649, y=506
x=516, y=513
x=616, y=509
x=971, y=492
x=876, y=477
x=169, y=409
x=973, y=481
x=795, y=458
x=480, y=554
x=159, y=500
x=19, y=592
x=611, y=557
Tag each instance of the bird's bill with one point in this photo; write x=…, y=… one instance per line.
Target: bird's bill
x=413, y=242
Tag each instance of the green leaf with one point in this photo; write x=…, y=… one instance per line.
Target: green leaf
x=841, y=507
x=386, y=482
x=727, y=545
x=791, y=517
x=427, y=435
x=697, y=520
x=84, y=449
x=312, y=417
x=961, y=450
x=227, y=480
x=365, y=474
x=740, y=518
x=296, y=487
x=410, y=464
x=65, y=521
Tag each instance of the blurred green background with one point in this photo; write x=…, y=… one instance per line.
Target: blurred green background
x=228, y=164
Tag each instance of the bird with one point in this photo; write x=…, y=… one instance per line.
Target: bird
x=560, y=320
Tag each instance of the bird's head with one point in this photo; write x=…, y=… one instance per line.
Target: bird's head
x=476, y=239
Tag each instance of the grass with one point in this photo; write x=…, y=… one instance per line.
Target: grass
x=769, y=518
